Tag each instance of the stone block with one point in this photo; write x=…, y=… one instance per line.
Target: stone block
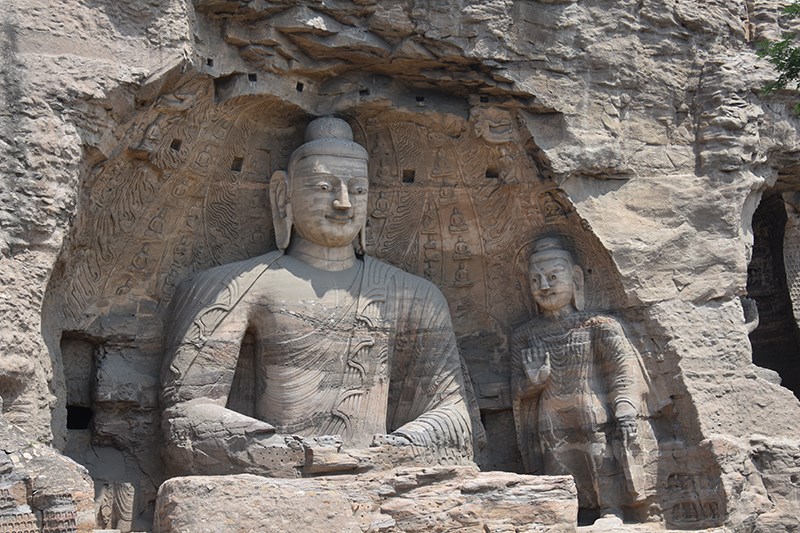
x=453, y=498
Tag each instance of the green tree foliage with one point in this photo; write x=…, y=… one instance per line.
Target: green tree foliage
x=784, y=55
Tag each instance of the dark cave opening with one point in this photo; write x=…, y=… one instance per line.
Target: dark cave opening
x=78, y=417
x=776, y=340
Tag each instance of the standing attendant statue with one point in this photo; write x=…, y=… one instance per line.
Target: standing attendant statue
x=351, y=355
x=579, y=391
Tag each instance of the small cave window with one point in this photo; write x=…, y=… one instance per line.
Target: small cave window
x=237, y=164
x=409, y=175
x=209, y=62
x=484, y=99
x=363, y=92
x=176, y=144
x=776, y=339
x=492, y=173
x=252, y=77
x=78, y=360
x=299, y=87
x=224, y=85
x=78, y=417
x=420, y=99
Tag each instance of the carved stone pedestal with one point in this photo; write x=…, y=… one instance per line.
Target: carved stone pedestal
x=452, y=498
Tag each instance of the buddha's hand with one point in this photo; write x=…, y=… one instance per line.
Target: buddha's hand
x=324, y=455
x=537, y=368
x=208, y=421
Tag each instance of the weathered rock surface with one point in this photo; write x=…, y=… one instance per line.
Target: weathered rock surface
x=39, y=488
x=402, y=500
x=640, y=121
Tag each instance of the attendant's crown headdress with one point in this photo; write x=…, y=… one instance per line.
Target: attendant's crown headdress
x=550, y=247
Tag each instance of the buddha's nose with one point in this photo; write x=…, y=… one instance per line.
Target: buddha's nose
x=342, y=200
x=544, y=285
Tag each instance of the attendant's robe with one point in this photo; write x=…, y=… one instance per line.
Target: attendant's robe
x=566, y=425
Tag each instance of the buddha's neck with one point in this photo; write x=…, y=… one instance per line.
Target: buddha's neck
x=557, y=314
x=332, y=259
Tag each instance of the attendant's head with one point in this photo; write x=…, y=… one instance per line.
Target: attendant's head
x=323, y=196
x=556, y=280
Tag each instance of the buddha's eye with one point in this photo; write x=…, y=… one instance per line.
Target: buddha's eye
x=358, y=189
x=324, y=186
x=535, y=281
x=553, y=277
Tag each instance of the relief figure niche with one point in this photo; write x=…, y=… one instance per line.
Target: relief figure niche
x=582, y=398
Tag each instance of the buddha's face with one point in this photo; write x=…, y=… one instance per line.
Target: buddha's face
x=329, y=198
x=552, y=283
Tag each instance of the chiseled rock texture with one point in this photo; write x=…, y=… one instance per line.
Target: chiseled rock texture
x=41, y=488
x=401, y=500
x=642, y=119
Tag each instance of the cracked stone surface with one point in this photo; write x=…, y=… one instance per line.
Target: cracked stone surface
x=637, y=127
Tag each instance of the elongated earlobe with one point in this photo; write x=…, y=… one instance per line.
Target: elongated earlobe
x=281, y=208
x=361, y=242
x=578, y=299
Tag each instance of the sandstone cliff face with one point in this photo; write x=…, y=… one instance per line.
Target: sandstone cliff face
x=136, y=141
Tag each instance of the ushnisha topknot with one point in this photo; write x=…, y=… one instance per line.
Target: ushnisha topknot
x=550, y=247
x=328, y=136
x=328, y=127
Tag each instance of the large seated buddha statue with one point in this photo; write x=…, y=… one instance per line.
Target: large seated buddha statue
x=354, y=358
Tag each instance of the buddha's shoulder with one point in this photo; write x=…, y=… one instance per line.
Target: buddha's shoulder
x=580, y=320
x=230, y=272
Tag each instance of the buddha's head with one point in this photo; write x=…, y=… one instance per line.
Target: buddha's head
x=556, y=280
x=323, y=196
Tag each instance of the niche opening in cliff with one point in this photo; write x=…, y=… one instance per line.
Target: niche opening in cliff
x=78, y=357
x=776, y=340
x=78, y=417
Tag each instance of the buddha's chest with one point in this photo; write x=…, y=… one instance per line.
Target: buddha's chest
x=316, y=326
x=571, y=357
x=281, y=320
x=285, y=305
x=317, y=353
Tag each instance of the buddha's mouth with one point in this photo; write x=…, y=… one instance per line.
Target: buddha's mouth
x=340, y=218
x=549, y=295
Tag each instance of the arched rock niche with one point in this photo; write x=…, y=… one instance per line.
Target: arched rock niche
x=455, y=197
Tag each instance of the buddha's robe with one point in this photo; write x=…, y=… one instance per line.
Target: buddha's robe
x=364, y=352
x=566, y=425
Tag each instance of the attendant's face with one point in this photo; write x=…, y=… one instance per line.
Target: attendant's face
x=552, y=284
x=329, y=198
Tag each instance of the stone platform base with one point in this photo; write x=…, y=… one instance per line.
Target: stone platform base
x=447, y=498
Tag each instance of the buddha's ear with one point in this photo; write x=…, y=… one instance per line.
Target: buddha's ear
x=578, y=298
x=281, y=208
x=361, y=243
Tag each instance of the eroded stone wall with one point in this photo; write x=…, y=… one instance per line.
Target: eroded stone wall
x=137, y=142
